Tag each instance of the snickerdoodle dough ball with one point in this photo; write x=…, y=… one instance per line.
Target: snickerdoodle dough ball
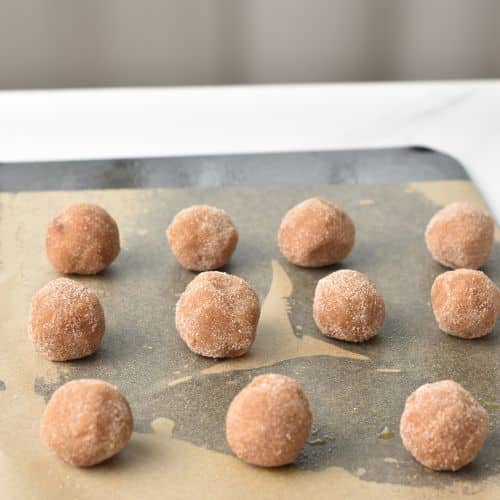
x=217, y=315
x=460, y=235
x=465, y=303
x=316, y=233
x=443, y=426
x=82, y=239
x=268, y=422
x=202, y=238
x=66, y=320
x=86, y=422
x=347, y=306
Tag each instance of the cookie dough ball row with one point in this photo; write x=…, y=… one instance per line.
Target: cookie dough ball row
x=314, y=233
x=217, y=314
x=269, y=420
x=465, y=301
x=267, y=423
x=442, y=425
x=86, y=421
x=84, y=239
x=347, y=305
x=66, y=319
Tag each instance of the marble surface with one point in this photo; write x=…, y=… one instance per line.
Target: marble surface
x=461, y=118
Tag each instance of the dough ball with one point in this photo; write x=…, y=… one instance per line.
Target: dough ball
x=66, y=320
x=316, y=233
x=268, y=422
x=465, y=303
x=86, y=422
x=202, y=238
x=82, y=239
x=347, y=306
x=217, y=315
x=443, y=426
x=460, y=235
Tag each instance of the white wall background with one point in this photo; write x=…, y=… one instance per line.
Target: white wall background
x=80, y=43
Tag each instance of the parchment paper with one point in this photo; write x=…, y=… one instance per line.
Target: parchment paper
x=179, y=400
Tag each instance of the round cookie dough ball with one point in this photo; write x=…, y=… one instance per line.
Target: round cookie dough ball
x=86, y=422
x=66, y=320
x=465, y=303
x=82, y=239
x=268, y=422
x=347, y=306
x=217, y=315
x=460, y=235
x=202, y=238
x=316, y=233
x=443, y=426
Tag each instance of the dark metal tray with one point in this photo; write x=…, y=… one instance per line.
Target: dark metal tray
x=379, y=166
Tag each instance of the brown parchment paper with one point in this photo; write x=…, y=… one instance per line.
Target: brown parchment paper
x=179, y=400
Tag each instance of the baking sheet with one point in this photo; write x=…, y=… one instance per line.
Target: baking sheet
x=179, y=400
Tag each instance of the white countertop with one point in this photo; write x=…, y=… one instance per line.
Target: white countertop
x=459, y=118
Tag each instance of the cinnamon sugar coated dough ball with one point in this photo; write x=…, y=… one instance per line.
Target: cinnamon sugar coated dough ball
x=268, y=422
x=66, y=320
x=82, y=239
x=443, y=426
x=460, y=235
x=202, y=238
x=86, y=422
x=316, y=233
x=217, y=315
x=347, y=306
x=465, y=303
